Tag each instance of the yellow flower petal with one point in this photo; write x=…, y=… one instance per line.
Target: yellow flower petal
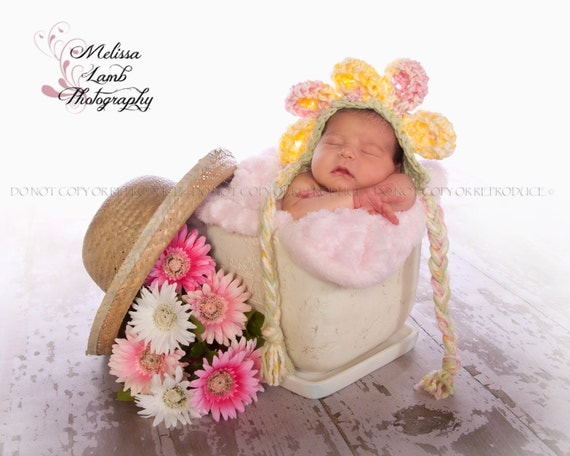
x=294, y=141
x=431, y=134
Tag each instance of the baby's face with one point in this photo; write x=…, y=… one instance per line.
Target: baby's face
x=356, y=150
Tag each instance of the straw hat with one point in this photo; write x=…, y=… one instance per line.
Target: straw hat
x=132, y=228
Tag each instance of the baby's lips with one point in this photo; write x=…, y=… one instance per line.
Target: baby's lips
x=339, y=170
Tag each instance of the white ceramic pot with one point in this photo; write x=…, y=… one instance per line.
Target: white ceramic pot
x=334, y=335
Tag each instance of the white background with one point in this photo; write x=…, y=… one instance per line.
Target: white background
x=219, y=73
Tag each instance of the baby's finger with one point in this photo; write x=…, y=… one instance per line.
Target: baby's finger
x=388, y=213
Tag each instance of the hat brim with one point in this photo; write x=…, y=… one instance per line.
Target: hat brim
x=180, y=203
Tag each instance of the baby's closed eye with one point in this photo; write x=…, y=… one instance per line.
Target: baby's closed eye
x=375, y=152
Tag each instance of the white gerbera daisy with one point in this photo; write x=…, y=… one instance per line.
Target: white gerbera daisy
x=168, y=401
x=161, y=319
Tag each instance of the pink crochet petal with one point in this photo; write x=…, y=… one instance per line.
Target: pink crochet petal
x=410, y=84
x=309, y=99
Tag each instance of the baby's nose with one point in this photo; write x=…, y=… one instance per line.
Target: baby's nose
x=346, y=152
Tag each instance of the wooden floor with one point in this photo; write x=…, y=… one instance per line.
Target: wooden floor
x=507, y=260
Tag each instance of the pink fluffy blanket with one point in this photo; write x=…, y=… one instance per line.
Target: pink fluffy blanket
x=348, y=247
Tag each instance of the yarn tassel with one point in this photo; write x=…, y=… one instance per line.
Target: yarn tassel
x=440, y=383
x=275, y=361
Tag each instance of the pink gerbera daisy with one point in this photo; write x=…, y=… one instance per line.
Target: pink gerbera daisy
x=226, y=386
x=220, y=306
x=134, y=364
x=253, y=353
x=185, y=262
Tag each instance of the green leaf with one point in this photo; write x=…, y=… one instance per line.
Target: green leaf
x=197, y=349
x=199, y=326
x=255, y=323
x=124, y=396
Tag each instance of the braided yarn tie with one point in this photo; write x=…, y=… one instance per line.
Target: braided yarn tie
x=440, y=383
x=275, y=360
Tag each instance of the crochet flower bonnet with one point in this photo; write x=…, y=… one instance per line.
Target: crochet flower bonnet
x=394, y=95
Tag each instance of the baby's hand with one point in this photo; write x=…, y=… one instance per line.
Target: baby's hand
x=378, y=200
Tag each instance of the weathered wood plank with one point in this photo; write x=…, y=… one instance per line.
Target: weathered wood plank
x=382, y=415
x=515, y=348
x=511, y=348
x=281, y=423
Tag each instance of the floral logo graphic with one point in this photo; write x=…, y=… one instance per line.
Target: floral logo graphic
x=85, y=80
x=55, y=44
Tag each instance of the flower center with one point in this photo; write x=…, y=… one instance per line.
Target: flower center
x=220, y=383
x=212, y=308
x=174, y=397
x=176, y=265
x=164, y=317
x=151, y=362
